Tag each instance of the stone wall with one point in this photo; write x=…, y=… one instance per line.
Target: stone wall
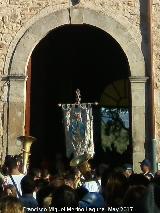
x=15, y=14
x=130, y=9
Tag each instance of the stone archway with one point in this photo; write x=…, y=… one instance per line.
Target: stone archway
x=19, y=54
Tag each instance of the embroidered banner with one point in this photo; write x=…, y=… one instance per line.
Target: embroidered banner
x=78, y=123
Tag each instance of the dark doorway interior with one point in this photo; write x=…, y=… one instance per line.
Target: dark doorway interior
x=70, y=57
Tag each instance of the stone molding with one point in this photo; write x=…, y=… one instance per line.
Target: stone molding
x=28, y=37
x=138, y=79
x=14, y=77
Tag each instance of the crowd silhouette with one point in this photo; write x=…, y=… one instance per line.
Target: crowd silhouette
x=66, y=188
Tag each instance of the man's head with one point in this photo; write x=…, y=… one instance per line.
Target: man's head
x=65, y=196
x=12, y=165
x=19, y=160
x=27, y=185
x=58, y=180
x=127, y=170
x=10, y=190
x=82, y=163
x=69, y=179
x=84, y=168
x=35, y=173
x=145, y=166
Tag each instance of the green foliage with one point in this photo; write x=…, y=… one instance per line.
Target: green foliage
x=114, y=133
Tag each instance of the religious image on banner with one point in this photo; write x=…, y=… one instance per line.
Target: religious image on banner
x=78, y=123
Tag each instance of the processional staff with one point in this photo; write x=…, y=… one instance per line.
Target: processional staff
x=78, y=124
x=78, y=102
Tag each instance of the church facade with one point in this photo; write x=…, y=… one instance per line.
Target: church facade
x=134, y=25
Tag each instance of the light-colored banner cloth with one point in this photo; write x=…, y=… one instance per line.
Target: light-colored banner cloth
x=78, y=123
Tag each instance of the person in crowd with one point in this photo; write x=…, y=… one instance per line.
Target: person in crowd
x=44, y=196
x=102, y=168
x=10, y=204
x=45, y=175
x=146, y=169
x=156, y=179
x=39, y=184
x=133, y=195
x=127, y=170
x=10, y=190
x=19, y=160
x=138, y=179
x=28, y=187
x=69, y=179
x=58, y=180
x=60, y=163
x=104, y=178
x=115, y=189
x=92, y=183
x=150, y=201
x=14, y=176
x=73, y=178
x=65, y=196
x=90, y=179
x=81, y=192
x=35, y=173
x=92, y=200
x=78, y=178
x=46, y=186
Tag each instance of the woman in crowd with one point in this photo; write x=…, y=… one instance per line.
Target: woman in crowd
x=10, y=204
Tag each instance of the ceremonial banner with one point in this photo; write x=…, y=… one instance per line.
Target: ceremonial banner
x=78, y=124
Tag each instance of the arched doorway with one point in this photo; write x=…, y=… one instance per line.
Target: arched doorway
x=71, y=57
x=33, y=32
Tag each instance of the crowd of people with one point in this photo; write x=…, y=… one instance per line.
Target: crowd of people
x=101, y=189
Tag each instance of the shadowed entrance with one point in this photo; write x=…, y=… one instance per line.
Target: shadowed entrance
x=71, y=57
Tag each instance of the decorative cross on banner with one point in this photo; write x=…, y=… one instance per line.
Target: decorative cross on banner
x=78, y=124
